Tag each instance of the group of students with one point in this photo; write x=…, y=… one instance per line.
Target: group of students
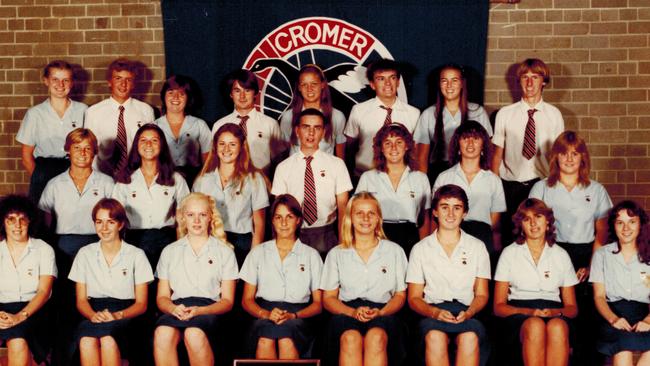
x=112, y=175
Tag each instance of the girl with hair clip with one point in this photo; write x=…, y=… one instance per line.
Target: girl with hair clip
x=149, y=189
x=403, y=192
x=111, y=278
x=196, y=283
x=312, y=91
x=27, y=271
x=239, y=189
x=364, y=287
x=469, y=154
x=281, y=287
x=188, y=137
x=46, y=125
x=620, y=273
x=534, y=288
x=437, y=123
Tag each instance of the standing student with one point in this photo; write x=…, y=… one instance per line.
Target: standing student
x=116, y=120
x=45, y=126
x=385, y=108
x=197, y=276
x=319, y=181
x=263, y=134
x=437, y=123
x=281, y=287
x=448, y=276
x=312, y=91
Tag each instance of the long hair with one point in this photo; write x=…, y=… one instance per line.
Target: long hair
x=561, y=145
x=393, y=129
x=14, y=203
x=215, y=228
x=291, y=203
x=439, y=128
x=115, y=211
x=165, y=161
x=347, y=231
x=632, y=209
x=471, y=129
x=298, y=101
x=183, y=83
x=536, y=207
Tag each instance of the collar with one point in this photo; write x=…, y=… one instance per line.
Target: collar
x=116, y=104
x=525, y=107
x=302, y=156
x=396, y=106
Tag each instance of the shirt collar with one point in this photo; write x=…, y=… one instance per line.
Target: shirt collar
x=525, y=107
x=115, y=103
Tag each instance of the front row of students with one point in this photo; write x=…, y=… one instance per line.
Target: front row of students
x=365, y=281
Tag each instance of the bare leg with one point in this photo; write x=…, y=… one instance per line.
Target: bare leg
x=374, y=347
x=644, y=360
x=287, y=349
x=198, y=347
x=533, y=340
x=18, y=352
x=351, y=348
x=435, y=353
x=266, y=349
x=109, y=351
x=89, y=351
x=468, y=349
x=557, y=343
x=165, y=340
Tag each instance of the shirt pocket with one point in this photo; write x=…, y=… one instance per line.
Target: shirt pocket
x=298, y=280
x=123, y=281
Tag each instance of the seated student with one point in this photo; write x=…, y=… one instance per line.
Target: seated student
x=197, y=276
x=534, y=288
x=111, y=278
x=27, y=271
x=620, y=273
x=448, y=276
x=281, y=287
x=364, y=288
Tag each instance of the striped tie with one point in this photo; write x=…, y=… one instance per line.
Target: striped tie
x=309, y=204
x=388, y=119
x=242, y=123
x=530, y=147
x=120, y=142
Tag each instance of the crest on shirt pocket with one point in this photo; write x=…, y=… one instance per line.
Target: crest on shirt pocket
x=30, y=272
x=463, y=258
x=384, y=269
x=124, y=272
x=133, y=194
x=301, y=267
x=95, y=192
x=139, y=124
x=259, y=134
x=322, y=173
x=74, y=124
x=166, y=192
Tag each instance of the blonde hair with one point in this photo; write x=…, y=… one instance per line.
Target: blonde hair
x=347, y=231
x=215, y=228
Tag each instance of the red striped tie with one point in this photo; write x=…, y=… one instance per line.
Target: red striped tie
x=530, y=146
x=242, y=123
x=309, y=204
x=388, y=119
x=120, y=142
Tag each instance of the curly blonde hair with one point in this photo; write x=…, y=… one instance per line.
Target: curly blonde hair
x=216, y=223
x=347, y=231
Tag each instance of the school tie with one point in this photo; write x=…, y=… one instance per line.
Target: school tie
x=530, y=147
x=242, y=123
x=309, y=203
x=389, y=111
x=120, y=142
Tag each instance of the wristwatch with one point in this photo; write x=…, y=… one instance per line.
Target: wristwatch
x=25, y=314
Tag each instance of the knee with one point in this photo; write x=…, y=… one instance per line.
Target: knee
x=351, y=339
x=557, y=330
x=467, y=342
x=265, y=343
x=376, y=340
x=88, y=344
x=195, y=339
x=436, y=342
x=107, y=342
x=17, y=346
x=165, y=337
x=533, y=329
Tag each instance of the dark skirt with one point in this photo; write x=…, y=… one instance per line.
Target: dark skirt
x=207, y=323
x=242, y=244
x=298, y=330
x=29, y=330
x=612, y=340
x=44, y=170
x=405, y=234
x=152, y=241
x=512, y=324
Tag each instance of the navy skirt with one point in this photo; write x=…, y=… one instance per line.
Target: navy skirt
x=299, y=330
x=27, y=330
x=612, y=341
x=207, y=323
x=513, y=323
x=116, y=328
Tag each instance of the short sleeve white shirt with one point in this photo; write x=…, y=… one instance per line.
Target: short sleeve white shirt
x=20, y=282
x=623, y=281
x=193, y=140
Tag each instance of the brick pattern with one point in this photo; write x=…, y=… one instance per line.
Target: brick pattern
x=599, y=55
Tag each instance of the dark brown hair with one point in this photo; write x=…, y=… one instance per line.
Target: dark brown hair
x=183, y=83
x=165, y=162
x=292, y=204
x=121, y=64
x=393, y=129
x=115, y=211
x=471, y=129
x=633, y=209
x=536, y=207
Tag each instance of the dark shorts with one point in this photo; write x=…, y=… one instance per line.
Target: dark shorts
x=612, y=340
x=299, y=330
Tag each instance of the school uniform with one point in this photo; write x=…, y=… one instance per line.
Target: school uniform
x=628, y=295
x=338, y=124
x=19, y=284
x=43, y=129
x=402, y=207
x=285, y=284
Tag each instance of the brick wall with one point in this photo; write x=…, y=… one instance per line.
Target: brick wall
x=598, y=51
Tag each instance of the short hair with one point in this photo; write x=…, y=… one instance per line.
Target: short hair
x=471, y=129
x=535, y=206
x=311, y=112
x=215, y=229
x=246, y=79
x=393, y=129
x=78, y=135
x=450, y=191
x=633, y=209
x=383, y=64
x=347, y=231
x=165, y=161
x=121, y=64
x=15, y=203
x=115, y=211
x=183, y=83
x=561, y=146
x=57, y=64
x=536, y=66
x=292, y=204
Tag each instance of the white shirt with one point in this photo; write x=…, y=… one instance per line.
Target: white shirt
x=193, y=140
x=20, y=282
x=331, y=178
x=405, y=203
x=73, y=209
x=338, y=124
x=129, y=268
x=43, y=129
x=367, y=118
x=448, y=278
x=509, y=132
x=376, y=281
x=623, y=281
x=197, y=275
x=485, y=193
x=262, y=135
x=290, y=280
x=235, y=204
x=535, y=282
x=150, y=207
